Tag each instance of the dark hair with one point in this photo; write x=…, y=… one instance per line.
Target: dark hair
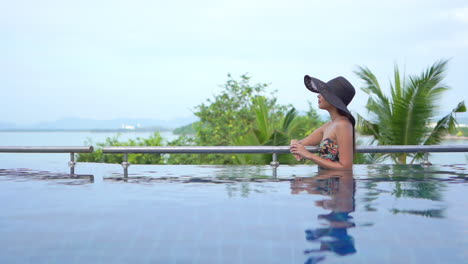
x=347, y=115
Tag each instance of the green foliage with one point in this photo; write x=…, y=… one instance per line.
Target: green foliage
x=98, y=156
x=241, y=114
x=303, y=125
x=412, y=182
x=186, y=130
x=227, y=117
x=229, y=114
x=404, y=118
x=267, y=129
x=363, y=158
x=275, y=129
x=461, y=132
x=185, y=140
x=366, y=158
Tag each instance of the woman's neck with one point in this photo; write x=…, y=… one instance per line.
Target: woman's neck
x=334, y=115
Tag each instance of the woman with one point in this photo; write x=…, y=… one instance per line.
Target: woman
x=336, y=138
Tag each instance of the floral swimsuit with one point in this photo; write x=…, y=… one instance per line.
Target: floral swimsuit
x=328, y=149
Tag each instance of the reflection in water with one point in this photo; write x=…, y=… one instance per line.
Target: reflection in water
x=413, y=182
x=340, y=187
x=61, y=178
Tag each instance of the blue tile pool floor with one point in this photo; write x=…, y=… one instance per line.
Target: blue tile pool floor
x=234, y=214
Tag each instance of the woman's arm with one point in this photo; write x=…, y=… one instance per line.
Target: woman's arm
x=312, y=139
x=344, y=137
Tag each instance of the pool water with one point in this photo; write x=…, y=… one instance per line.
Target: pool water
x=234, y=214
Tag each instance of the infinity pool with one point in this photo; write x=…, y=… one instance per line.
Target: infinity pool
x=234, y=214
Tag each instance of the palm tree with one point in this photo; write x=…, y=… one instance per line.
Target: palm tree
x=405, y=118
x=267, y=129
x=275, y=128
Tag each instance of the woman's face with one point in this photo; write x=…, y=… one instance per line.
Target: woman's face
x=322, y=103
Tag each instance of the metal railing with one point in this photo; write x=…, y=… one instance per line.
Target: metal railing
x=71, y=150
x=275, y=150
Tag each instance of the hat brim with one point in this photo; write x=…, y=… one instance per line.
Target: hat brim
x=314, y=84
x=317, y=86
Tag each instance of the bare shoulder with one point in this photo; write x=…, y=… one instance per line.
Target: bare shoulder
x=344, y=134
x=343, y=125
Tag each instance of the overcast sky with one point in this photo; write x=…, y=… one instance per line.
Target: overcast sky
x=159, y=59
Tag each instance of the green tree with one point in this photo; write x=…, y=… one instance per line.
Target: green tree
x=223, y=119
x=405, y=117
x=242, y=114
x=228, y=115
x=98, y=156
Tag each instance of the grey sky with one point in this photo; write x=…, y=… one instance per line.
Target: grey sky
x=158, y=59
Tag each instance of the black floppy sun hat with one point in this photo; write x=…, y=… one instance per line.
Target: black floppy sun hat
x=338, y=92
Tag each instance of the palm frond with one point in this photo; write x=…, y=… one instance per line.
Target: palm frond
x=289, y=118
x=263, y=122
x=372, y=84
x=436, y=72
x=278, y=138
x=248, y=139
x=397, y=87
x=430, y=81
x=416, y=106
x=366, y=127
x=411, y=112
x=446, y=124
x=378, y=105
x=373, y=88
x=403, y=118
x=367, y=158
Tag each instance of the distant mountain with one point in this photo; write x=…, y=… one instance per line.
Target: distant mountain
x=72, y=123
x=91, y=124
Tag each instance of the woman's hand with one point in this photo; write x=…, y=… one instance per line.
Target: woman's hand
x=297, y=149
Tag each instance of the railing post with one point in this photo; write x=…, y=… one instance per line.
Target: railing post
x=72, y=163
x=125, y=164
x=426, y=161
x=274, y=163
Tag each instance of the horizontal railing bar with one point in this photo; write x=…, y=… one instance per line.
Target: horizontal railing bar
x=29, y=149
x=280, y=149
x=202, y=149
x=230, y=149
x=411, y=148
